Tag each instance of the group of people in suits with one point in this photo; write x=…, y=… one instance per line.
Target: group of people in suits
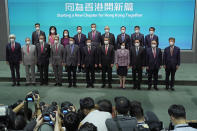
x=95, y=53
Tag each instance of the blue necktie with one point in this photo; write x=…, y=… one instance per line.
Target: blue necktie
x=123, y=37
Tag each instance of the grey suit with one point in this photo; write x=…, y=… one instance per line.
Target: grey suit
x=29, y=61
x=57, y=58
x=126, y=123
x=72, y=59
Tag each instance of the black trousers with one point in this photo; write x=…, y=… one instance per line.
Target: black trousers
x=15, y=67
x=90, y=71
x=72, y=74
x=170, y=71
x=106, y=69
x=153, y=73
x=135, y=71
x=44, y=73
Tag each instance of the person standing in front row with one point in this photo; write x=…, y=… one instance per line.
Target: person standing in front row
x=57, y=60
x=106, y=61
x=171, y=61
x=43, y=55
x=29, y=61
x=154, y=62
x=89, y=62
x=14, y=59
x=122, y=61
x=137, y=63
x=72, y=60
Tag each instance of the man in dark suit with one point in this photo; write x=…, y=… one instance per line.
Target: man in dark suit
x=137, y=36
x=106, y=61
x=171, y=61
x=154, y=62
x=72, y=60
x=80, y=40
x=123, y=38
x=35, y=37
x=43, y=55
x=149, y=38
x=109, y=35
x=137, y=62
x=90, y=61
x=14, y=59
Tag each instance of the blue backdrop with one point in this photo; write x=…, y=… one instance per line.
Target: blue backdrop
x=169, y=17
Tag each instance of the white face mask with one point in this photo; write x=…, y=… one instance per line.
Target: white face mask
x=151, y=32
x=106, y=31
x=71, y=42
x=137, y=31
x=123, y=31
x=52, y=31
x=93, y=29
x=56, y=41
x=88, y=44
x=106, y=42
x=171, y=43
x=153, y=45
x=28, y=42
x=12, y=40
x=37, y=28
x=79, y=31
x=137, y=44
x=122, y=47
x=65, y=34
x=41, y=41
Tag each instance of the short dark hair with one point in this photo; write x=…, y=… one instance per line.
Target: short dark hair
x=20, y=122
x=87, y=103
x=93, y=24
x=87, y=40
x=71, y=121
x=152, y=28
x=123, y=27
x=79, y=26
x=137, y=40
x=137, y=26
x=177, y=111
x=172, y=38
x=105, y=105
x=136, y=111
x=122, y=105
x=37, y=24
x=88, y=127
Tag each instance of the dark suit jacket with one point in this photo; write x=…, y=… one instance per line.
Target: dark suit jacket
x=90, y=59
x=108, y=59
x=97, y=41
x=151, y=62
x=137, y=60
x=35, y=38
x=16, y=56
x=82, y=42
x=147, y=41
x=127, y=41
x=171, y=61
x=43, y=58
x=139, y=37
x=111, y=39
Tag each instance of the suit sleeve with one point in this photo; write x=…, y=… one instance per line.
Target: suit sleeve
x=32, y=37
x=164, y=57
x=144, y=57
x=147, y=58
x=51, y=56
x=83, y=57
x=113, y=54
x=100, y=55
x=20, y=53
x=78, y=55
x=128, y=58
x=157, y=41
x=179, y=57
x=65, y=55
x=116, y=57
x=160, y=57
x=130, y=53
x=143, y=41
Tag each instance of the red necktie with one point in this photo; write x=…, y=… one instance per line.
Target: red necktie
x=41, y=48
x=28, y=49
x=93, y=35
x=89, y=50
x=171, y=51
x=79, y=38
x=12, y=47
x=56, y=48
x=154, y=52
x=106, y=50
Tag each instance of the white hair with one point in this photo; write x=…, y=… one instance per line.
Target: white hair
x=12, y=35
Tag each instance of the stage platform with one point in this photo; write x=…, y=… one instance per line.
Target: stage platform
x=186, y=75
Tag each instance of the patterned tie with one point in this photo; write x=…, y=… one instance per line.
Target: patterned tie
x=89, y=50
x=123, y=37
x=79, y=38
x=28, y=49
x=42, y=48
x=106, y=49
x=93, y=35
x=171, y=51
x=12, y=47
x=154, y=52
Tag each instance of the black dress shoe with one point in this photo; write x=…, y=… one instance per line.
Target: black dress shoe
x=83, y=71
x=149, y=87
x=103, y=86
x=27, y=84
x=74, y=85
x=167, y=87
x=41, y=84
x=34, y=84
x=155, y=87
x=172, y=89
x=92, y=85
x=59, y=84
x=87, y=86
x=13, y=84
x=18, y=84
x=55, y=84
x=139, y=87
x=109, y=86
x=70, y=85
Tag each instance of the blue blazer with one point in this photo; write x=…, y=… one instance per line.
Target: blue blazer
x=16, y=56
x=147, y=41
x=151, y=62
x=171, y=61
x=82, y=42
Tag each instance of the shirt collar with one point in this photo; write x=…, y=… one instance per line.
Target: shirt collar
x=180, y=125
